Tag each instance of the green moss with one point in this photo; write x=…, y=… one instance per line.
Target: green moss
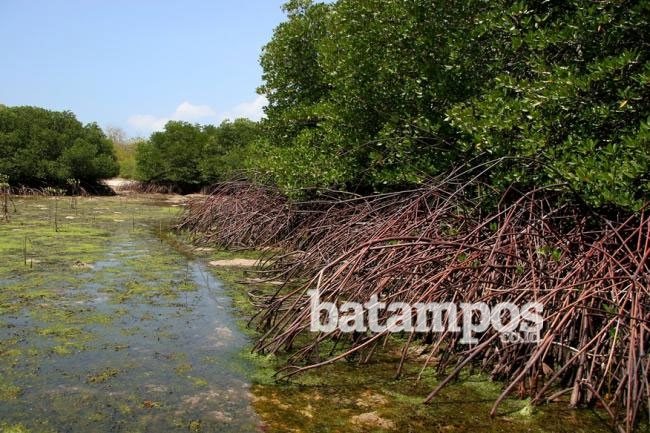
x=68, y=348
x=11, y=353
x=60, y=331
x=103, y=376
x=481, y=385
x=198, y=381
x=405, y=399
x=8, y=391
x=261, y=369
x=97, y=417
x=124, y=408
x=187, y=286
x=241, y=254
x=13, y=428
x=528, y=410
x=194, y=426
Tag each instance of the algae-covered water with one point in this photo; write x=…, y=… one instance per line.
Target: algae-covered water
x=106, y=326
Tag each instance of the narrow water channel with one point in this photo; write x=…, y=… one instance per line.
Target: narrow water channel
x=105, y=328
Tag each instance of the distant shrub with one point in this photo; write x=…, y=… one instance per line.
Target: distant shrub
x=189, y=155
x=39, y=147
x=125, y=153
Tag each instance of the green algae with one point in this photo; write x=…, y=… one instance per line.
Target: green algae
x=264, y=367
x=198, y=381
x=345, y=394
x=194, y=426
x=8, y=391
x=183, y=368
x=103, y=375
x=68, y=348
x=60, y=331
x=13, y=428
x=88, y=315
x=243, y=254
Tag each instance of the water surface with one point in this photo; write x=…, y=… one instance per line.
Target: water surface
x=106, y=328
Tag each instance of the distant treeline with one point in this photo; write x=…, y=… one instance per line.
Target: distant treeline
x=190, y=156
x=39, y=148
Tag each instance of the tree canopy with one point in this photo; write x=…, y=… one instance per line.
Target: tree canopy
x=39, y=147
x=190, y=155
x=381, y=94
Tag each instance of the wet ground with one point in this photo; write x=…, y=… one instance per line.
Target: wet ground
x=106, y=326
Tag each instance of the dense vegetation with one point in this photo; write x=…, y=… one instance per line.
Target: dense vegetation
x=458, y=113
x=40, y=147
x=190, y=155
x=124, y=151
x=381, y=94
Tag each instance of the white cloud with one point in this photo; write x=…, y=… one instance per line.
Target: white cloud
x=147, y=123
x=253, y=110
x=188, y=112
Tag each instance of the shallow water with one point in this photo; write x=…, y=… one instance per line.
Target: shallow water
x=106, y=328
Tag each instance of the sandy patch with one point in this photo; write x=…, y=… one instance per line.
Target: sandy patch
x=156, y=388
x=372, y=419
x=220, y=416
x=201, y=400
x=223, y=332
x=203, y=249
x=263, y=281
x=371, y=400
x=119, y=183
x=178, y=199
x=235, y=263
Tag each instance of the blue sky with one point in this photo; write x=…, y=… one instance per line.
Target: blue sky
x=135, y=64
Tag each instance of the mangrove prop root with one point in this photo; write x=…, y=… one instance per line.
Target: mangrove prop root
x=438, y=244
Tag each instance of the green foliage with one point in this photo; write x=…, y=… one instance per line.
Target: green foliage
x=294, y=81
x=366, y=107
x=40, y=147
x=192, y=155
x=172, y=155
x=228, y=148
x=571, y=96
x=381, y=94
x=125, y=153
